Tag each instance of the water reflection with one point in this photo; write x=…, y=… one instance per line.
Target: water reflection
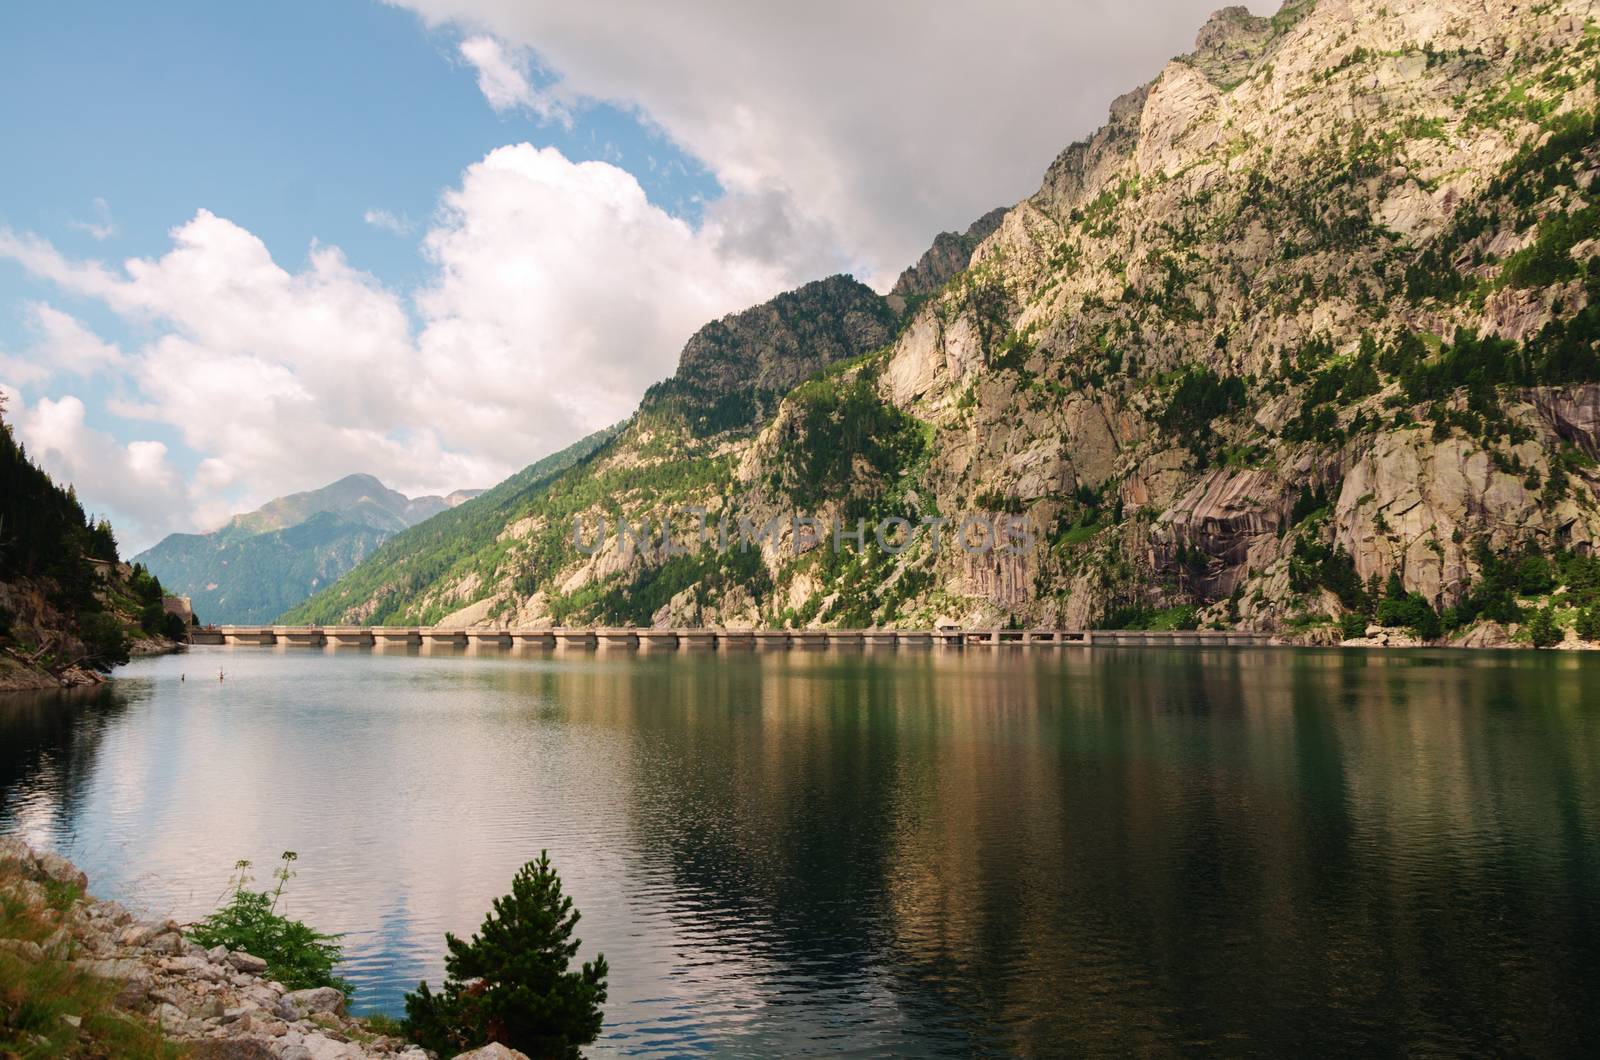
x=1084, y=851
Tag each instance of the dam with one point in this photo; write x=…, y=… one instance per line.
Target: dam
x=716, y=639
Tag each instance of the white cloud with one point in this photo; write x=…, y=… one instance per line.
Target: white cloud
x=503, y=80
x=66, y=345
x=559, y=293
x=61, y=344
x=102, y=227
x=562, y=285
x=387, y=221
x=875, y=124
x=134, y=481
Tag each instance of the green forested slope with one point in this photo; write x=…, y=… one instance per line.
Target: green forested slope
x=456, y=542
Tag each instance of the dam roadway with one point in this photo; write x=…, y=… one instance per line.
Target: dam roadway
x=630, y=638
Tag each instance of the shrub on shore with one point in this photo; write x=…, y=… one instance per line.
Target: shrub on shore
x=297, y=955
x=510, y=983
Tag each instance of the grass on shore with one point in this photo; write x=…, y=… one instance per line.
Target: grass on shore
x=48, y=1007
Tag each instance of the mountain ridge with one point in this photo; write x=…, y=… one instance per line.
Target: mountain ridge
x=262, y=562
x=1303, y=340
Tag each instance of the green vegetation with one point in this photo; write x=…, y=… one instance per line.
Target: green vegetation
x=1143, y=616
x=50, y=1008
x=389, y=585
x=1542, y=629
x=733, y=372
x=1563, y=352
x=1408, y=610
x=1548, y=259
x=510, y=984
x=840, y=421
x=1198, y=397
x=710, y=572
x=297, y=956
x=48, y=542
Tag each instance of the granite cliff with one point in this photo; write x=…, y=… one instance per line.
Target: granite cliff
x=1303, y=339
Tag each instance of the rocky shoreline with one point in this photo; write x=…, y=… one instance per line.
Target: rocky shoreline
x=216, y=1003
x=18, y=674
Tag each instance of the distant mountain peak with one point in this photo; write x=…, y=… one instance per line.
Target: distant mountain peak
x=263, y=562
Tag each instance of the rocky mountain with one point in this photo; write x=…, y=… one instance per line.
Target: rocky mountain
x=1302, y=340
x=940, y=263
x=359, y=498
x=733, y=371
x=456, y=548
x=266, y=561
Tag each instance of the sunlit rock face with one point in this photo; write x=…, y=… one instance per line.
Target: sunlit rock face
x=1340, y=254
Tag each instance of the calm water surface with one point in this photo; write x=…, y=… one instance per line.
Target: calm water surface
x=996, y=852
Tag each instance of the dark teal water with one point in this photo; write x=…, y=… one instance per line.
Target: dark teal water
x=1105, y=851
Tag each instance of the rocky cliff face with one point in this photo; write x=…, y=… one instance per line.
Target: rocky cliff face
x=1313, y=309
x=733, y=371
x=946, y=259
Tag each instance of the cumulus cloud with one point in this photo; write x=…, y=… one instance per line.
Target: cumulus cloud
x=62, y=344
x=66, y=345
x=561, y=283
x=387, y=221
x=135, y=481
x=878, y=123
x=558, y=294
x=503, y=80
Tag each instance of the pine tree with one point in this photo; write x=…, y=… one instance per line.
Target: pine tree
x=510, y=983
x=1543, y=630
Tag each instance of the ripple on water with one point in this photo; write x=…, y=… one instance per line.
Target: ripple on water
x=967, y=853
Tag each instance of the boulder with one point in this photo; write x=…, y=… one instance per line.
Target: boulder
x=323, y=1047
x=57, y=869
x=229, y=1049
x=168, y=942
x=492, y=1051
x=247, y=963
x=17, y=858
x=298, y=1004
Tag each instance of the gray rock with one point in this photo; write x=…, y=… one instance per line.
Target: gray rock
x=323, y=1047
x=114, y=968
x=245, y=962
x=230, y=1049
x=210, y=1008
x=168, y=942
x=57, y=869
x=58, y=944
x=492, y=1051
x=28, y=951
x=298, y=1004
x=140, y=932
x=113, y=911
x=17, y=858
x=135, y=978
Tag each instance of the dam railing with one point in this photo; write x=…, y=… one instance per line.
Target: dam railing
x=637, y=639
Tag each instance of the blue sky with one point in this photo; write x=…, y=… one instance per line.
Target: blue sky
x=292, y=120
x=198, y=311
